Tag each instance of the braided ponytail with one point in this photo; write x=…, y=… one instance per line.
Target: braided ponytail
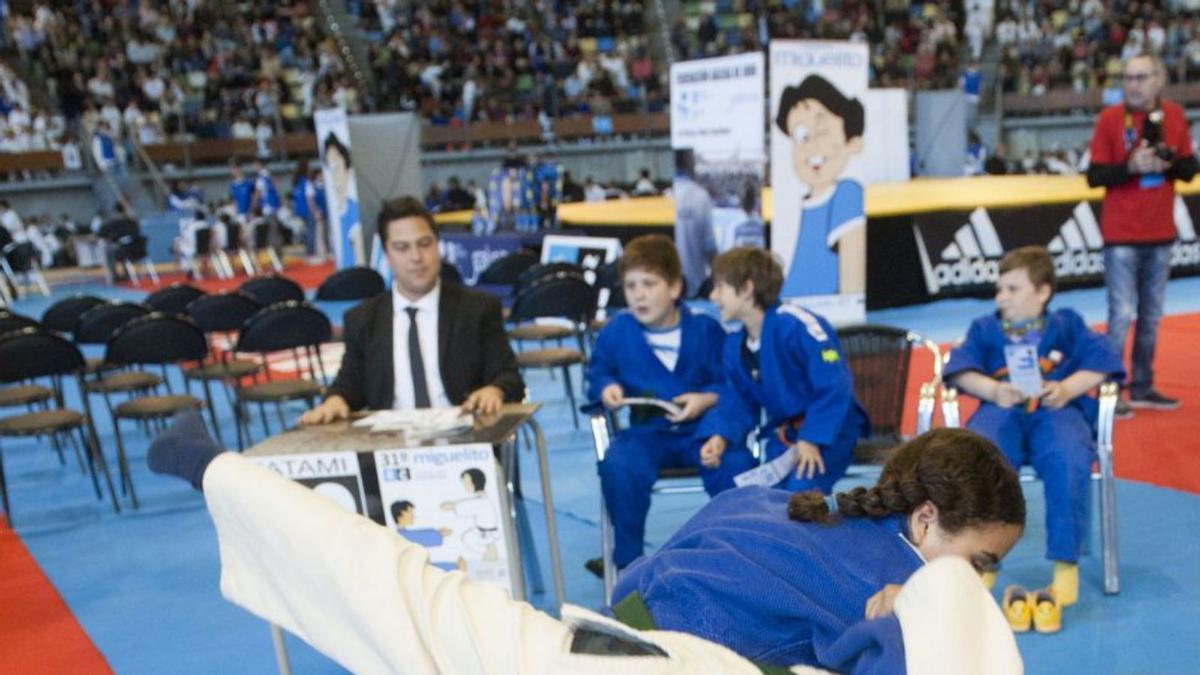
x=962, y=473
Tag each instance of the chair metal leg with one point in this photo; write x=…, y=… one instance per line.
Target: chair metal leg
x=57, y=449
x=97, y=457
x=123, y=466
x=606, y=553
x=150, y=271
x=4, y=492
x=570, y=395
x=262, y=413
x=212, y=414
x=1108, y=488
x=91, y=470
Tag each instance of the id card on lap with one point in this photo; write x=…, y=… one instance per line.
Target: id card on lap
x=772, y=472
x=1023, y=370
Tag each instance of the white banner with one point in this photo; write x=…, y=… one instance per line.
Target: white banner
x=447, y=499
x=345, y=226
x=719, y=142
x=818, y=120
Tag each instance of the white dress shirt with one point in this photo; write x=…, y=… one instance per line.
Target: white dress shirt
x=427, y=334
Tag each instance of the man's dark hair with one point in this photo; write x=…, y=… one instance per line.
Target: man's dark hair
x=478, y=480
x=403, y=207
x=819, y=89
x=398, y=508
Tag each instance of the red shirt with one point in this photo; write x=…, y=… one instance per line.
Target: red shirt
x=1141, y=211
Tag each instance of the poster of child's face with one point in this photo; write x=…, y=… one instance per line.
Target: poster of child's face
x=825, y=127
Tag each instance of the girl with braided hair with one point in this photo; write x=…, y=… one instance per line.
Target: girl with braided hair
x=787, y=578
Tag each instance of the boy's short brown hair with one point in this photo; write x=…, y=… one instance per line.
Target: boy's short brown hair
x=749, y=264
x=1036, y=262
x=654, y=253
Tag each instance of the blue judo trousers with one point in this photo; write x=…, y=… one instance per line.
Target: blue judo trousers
x=1058, y=444
x=630, y=468
x=802, y=380
x=777, y=591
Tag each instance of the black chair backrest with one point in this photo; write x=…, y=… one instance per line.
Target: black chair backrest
x=223, y=312
x=5, y=237
x=10, y=322
x=878, y=358
x=98, y=324
x=31, y=353
x=203, y=237
x=544, y=271
x=505, y=271
x=233, y=235
x=609, y=276
x=262, y=235
x=63, y=315
x=286, y=325
x=352, y=283
x=705, y=289
x=564, y=295
x=173, y=299
x=20, y=256
x=450, y=273
x=272, y=289
x=157, y=338
x=131, y=247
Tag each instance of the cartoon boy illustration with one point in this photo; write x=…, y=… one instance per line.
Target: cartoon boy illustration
x=826, y=129
x=404, y=513
x=482, y=536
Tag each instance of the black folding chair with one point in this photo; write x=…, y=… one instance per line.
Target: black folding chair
x=27, y=394
x=567, y=296
x=285, y=327
x=262, y=242
x=20, y=259
x=173, y=299
x=131, y=250
x=96, y=327
x=450, y=274
x=271, y=289
x=878, y=358
x=352, y=283
x=507, y=270
x=542, y=331
x=223, y=314
x=63, y=316
x=32, y=353
x=156, y=339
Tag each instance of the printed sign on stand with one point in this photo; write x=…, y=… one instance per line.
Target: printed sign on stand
x=332, y=474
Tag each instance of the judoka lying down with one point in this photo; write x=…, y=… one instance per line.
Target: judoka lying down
x=367, y=598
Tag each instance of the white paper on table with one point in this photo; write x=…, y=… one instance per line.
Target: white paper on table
x=1023, y=370
x=418, y=422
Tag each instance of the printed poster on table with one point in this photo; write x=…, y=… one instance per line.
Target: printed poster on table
x=818, y=120
x=350, y=239
x=332, y=474
x=447, y=499
x=719, y=144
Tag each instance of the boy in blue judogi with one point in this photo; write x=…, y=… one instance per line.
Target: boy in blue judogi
x=1051, y=428
x=659, y=349
x=786, y=360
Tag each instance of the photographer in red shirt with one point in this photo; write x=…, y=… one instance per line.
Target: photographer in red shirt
x=1139, y=149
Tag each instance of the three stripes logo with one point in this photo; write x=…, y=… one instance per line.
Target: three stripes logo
x=972, y=259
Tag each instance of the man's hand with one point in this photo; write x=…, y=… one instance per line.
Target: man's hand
x=694, y=404
x=612, y=396
x=1055, y=395
x=333, y=409
x=810, y=463
x=1144, y=159
x=881, y=603
x=711, y=451
x=484, y=400
x=1006, y=395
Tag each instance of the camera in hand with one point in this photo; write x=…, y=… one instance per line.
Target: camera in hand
x=1153, y=135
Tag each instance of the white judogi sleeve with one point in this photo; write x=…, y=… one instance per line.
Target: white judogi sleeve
x=366, y=598
x=951, y=623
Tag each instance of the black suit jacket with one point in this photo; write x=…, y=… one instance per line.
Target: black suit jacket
x=473, y=350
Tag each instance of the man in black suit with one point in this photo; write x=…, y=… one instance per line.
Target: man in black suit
x=426, y=343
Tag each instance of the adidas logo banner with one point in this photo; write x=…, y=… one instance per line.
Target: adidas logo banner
x=926, y=256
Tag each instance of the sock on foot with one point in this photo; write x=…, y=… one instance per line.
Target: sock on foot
x=1066, y=583
x=185, y=449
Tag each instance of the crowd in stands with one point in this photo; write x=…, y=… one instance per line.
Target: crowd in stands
x=1080, y=44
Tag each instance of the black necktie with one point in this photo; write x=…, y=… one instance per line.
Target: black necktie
x=416, y=364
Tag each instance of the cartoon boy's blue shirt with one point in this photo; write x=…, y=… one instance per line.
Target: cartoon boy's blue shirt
x=823, y=222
